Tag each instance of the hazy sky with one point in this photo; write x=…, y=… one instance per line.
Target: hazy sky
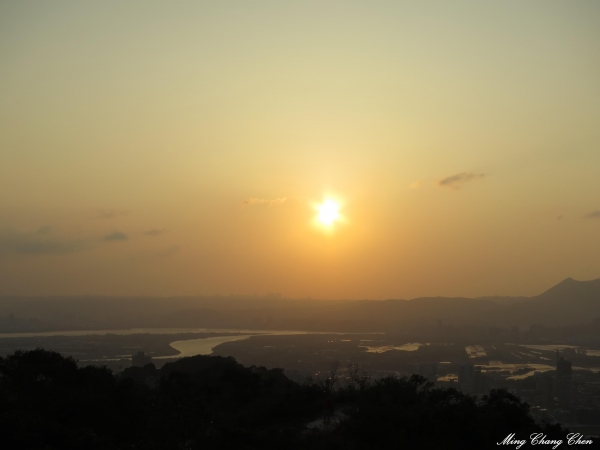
x=182, y=147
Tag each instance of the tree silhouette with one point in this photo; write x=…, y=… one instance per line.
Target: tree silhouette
x=47, y=402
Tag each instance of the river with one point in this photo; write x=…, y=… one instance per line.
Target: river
x=188, y=347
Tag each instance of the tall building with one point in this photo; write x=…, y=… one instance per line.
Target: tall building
x=140, y=360
x=564, y=381
x=480, y=381
x=471, y=380
x=544, y=384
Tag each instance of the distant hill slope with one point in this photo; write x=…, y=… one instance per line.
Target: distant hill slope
x=569, y=302
x=505, y=300
x=570, y=289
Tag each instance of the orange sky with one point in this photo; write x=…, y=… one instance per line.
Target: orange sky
x=164, y=148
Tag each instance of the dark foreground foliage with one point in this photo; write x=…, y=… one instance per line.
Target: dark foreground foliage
x=47, y=402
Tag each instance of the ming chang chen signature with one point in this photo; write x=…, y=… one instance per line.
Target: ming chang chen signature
x=543, y=440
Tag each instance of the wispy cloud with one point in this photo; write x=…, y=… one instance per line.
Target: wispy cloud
x=593, y=215
x=168, y=252
x=37, y=243
x=47, y=229
x=264, y=201
x=415, y=184
x=116, y=236
x=110, y=213
x=456, y=181
x=155, y=232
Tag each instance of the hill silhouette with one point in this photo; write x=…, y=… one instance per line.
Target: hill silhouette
x=569, y=302
x=572, y=290
x=47, y=402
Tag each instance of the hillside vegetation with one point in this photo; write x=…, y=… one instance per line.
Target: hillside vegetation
x=204, y=402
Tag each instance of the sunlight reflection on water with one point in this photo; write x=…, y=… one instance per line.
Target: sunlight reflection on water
x=194, y=347
x=385, y=348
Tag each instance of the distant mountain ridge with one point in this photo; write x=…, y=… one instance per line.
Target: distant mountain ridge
x=573, y=289
x=505, y=300
x=569, y=302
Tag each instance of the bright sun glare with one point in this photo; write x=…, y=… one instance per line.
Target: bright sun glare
x=328, y=212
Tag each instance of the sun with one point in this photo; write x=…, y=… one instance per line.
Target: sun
x=328, y=212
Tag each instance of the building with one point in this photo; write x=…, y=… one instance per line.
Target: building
x=140, y=360
x=564, y=381
x=466, y=378
x=544, y=385
x=480, y=382
x=471, y=380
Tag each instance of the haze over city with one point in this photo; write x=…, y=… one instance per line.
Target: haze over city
x=314, y=149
